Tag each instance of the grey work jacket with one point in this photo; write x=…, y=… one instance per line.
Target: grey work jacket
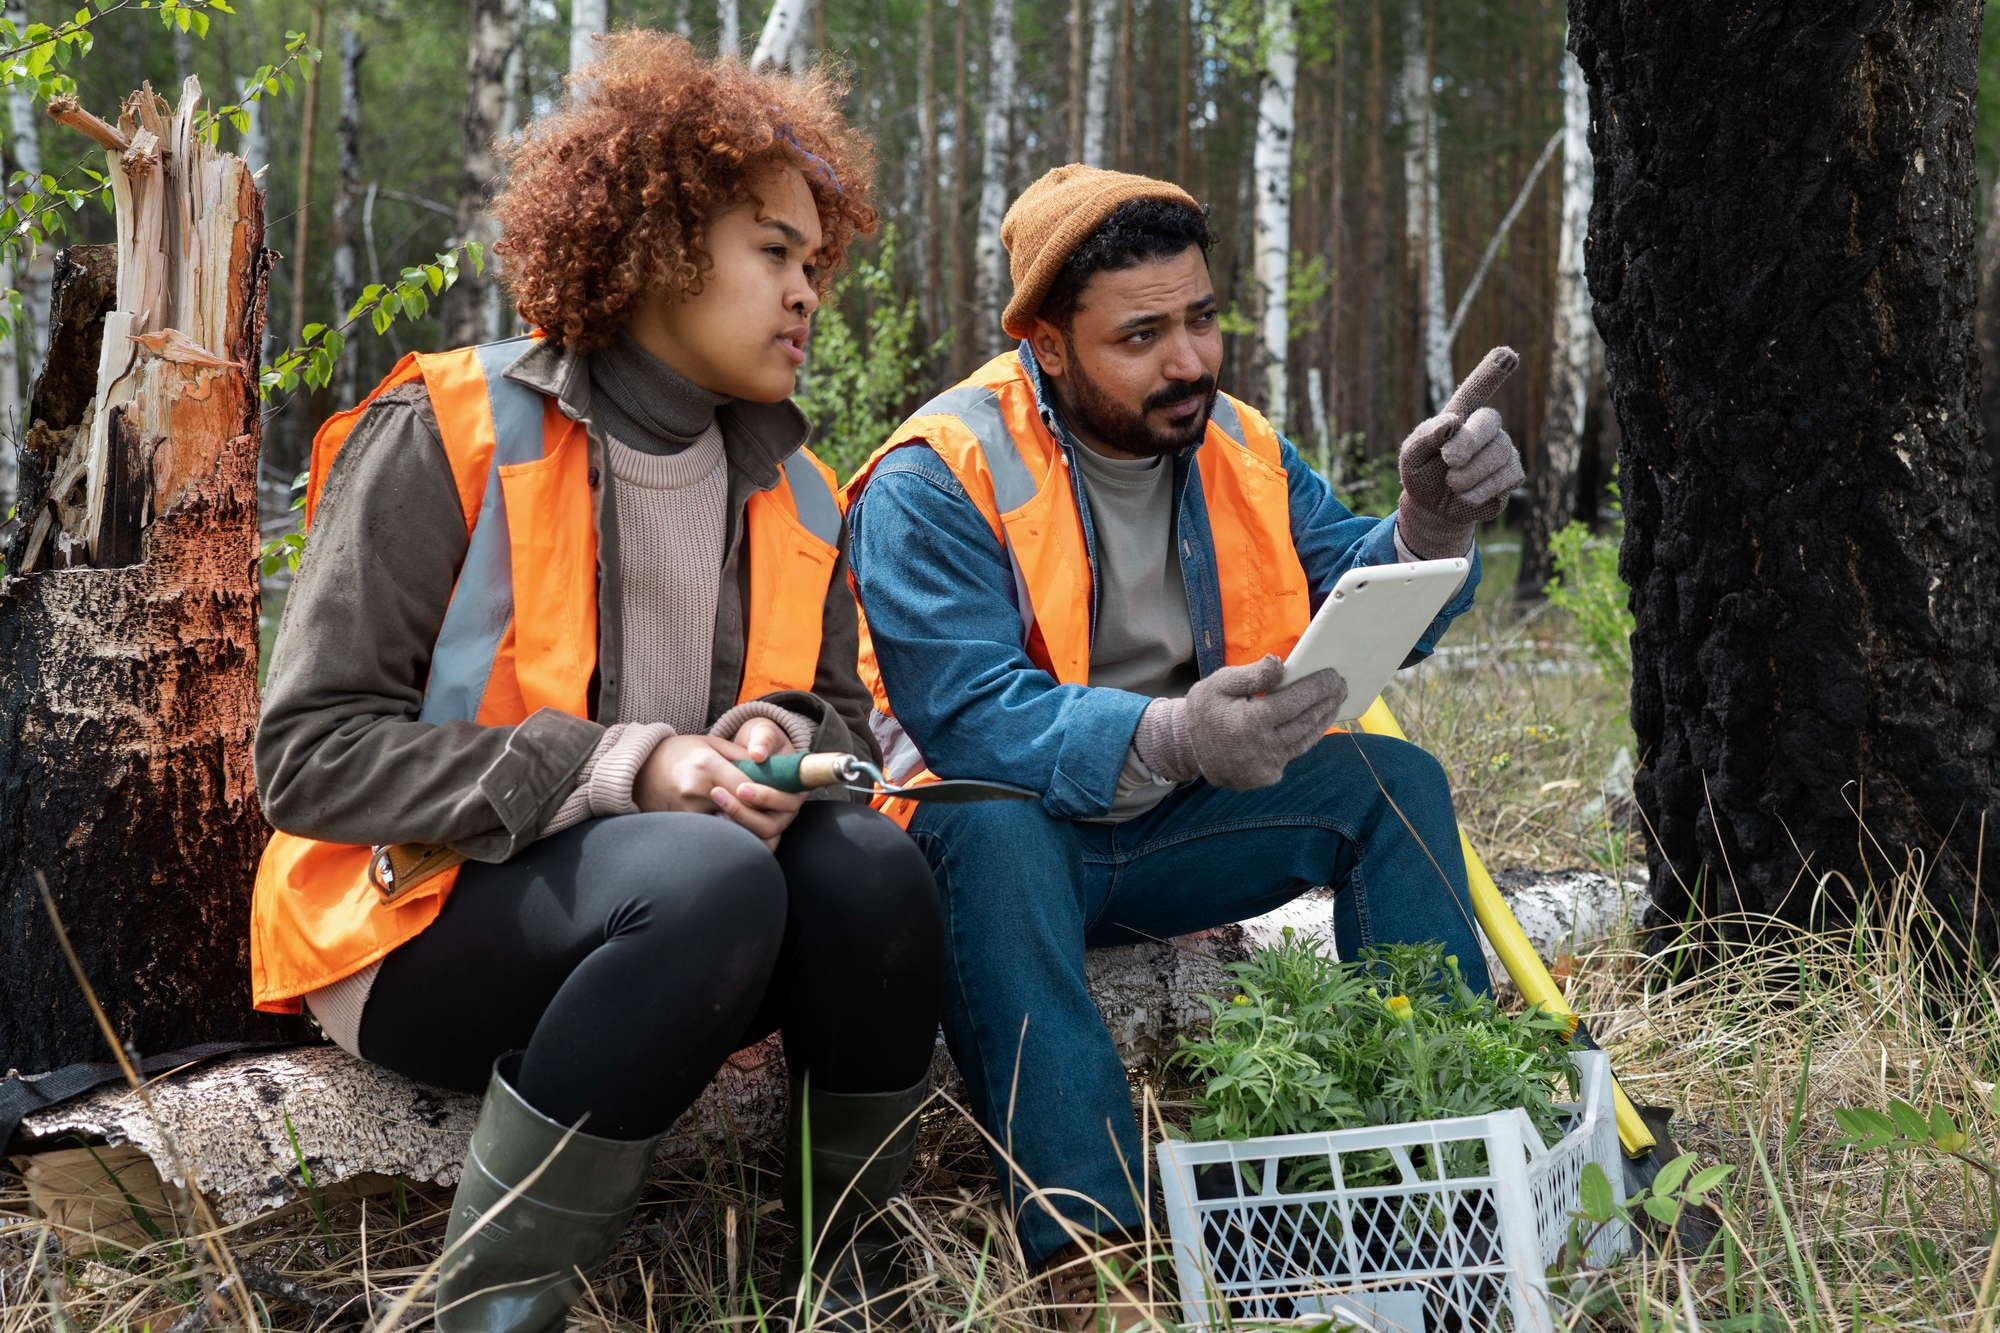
x=340, y=753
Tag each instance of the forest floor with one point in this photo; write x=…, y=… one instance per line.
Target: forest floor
x=1754, y=1053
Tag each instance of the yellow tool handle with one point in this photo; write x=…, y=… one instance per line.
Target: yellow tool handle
x=1517, y=955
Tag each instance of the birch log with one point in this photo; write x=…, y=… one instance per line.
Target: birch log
x=1097, y=85
x=1554, y=488
x=990, y=257
x=1272, y=161
x=128, y=691
x=355, y=1122
x=588, y=20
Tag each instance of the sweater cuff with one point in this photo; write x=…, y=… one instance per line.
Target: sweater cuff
x=1163, y=742
x=799, y=730
x=614, y=769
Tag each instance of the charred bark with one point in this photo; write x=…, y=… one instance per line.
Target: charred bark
x=128, y=691
x=1782, y=261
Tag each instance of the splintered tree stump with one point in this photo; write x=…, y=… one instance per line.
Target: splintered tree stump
x=128, y=622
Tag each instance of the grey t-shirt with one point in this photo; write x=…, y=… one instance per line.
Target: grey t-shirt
x=1143, y=640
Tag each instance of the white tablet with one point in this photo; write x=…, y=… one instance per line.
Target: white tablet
x=1368, y=624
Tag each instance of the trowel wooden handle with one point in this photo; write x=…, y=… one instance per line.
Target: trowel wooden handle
x=798, y=772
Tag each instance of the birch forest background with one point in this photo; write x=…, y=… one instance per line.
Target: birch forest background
x=1397, y=185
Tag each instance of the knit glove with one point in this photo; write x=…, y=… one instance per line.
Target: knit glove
x=1458, y=466
x=1236, y=728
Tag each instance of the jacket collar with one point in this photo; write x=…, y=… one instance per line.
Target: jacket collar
x=756, y=437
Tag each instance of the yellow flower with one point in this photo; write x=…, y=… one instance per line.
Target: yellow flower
x=1241, y=999
x=1399, y=1005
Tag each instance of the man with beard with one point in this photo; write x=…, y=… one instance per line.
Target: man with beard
x=1079, y=572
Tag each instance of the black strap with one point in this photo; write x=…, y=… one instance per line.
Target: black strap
x=22, y=1095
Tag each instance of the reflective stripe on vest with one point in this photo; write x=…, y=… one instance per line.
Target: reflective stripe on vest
x=519, y=632
x=988, y=431
x=482, y=601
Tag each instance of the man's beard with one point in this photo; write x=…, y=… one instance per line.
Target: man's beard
x=1115, y=426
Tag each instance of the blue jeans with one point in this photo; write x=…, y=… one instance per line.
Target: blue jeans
x=1025, y=893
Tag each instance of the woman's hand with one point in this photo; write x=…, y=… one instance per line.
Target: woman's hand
x=698, y=775
x=763, y=738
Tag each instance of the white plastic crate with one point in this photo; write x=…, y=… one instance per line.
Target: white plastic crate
x=1463, y=1253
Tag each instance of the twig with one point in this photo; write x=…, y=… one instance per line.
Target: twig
x=1499, y=235
x=69, y=111
x=325, y=1307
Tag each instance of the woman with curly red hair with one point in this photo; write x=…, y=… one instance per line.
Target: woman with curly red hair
x=553, y=589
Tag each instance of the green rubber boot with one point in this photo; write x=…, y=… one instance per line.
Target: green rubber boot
x=520, y=1272
x=862, y=1146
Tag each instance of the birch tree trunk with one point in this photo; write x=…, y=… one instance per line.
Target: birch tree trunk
x=1416, y=96
x=346, y=282
x=1437, y=335
x=588, y=20
x=1272, y=161
x=129, y=690
x=1809, y=513
x=256, y=143
x=39, y=266
x=782, y=27
x=488, y=53
x=729, y=37
x=1555, y=483
x=1097, y=84
x=991, y=257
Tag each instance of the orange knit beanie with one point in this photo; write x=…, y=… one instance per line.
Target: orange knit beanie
x=1054, y=216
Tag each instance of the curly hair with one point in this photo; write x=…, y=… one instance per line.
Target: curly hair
x=607, y=196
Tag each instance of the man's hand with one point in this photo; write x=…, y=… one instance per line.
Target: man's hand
x=1234, y=733
x=1458, y=467
x=698, y=775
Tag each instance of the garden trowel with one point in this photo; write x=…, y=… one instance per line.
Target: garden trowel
x=830, y=768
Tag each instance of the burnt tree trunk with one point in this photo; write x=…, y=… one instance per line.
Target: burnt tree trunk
x=1782, y=259
x=128, y=622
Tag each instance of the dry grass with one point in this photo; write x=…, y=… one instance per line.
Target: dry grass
x=1754, y=1054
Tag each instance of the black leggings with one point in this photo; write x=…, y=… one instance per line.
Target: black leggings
x=629, y=956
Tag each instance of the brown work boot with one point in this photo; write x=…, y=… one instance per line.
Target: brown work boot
x=1109, y=1288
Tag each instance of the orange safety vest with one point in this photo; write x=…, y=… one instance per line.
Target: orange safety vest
x=990, y=433
x=520, y=633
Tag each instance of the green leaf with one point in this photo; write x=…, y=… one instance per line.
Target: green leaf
x=1595, y=1194
x=1707, y=1179
x=1909, y=1120
x=1672, y=1174
x=1662, y=1210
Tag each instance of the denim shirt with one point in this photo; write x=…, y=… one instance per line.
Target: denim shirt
x=941, y=601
